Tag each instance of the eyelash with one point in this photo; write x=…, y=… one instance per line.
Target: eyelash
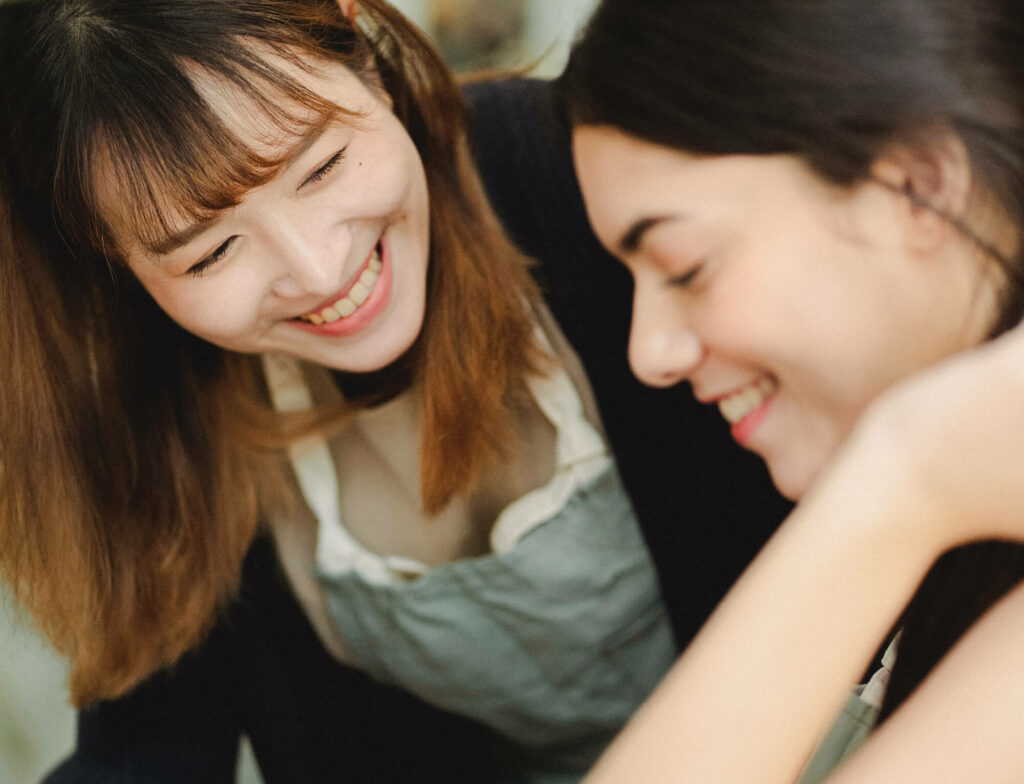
x=324, y=170
x=687, y=278
x=200, y=267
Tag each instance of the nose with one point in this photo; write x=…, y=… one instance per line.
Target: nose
x=309, y=259
x=663, y=348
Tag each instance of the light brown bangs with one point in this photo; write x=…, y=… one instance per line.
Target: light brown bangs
x=179, y=165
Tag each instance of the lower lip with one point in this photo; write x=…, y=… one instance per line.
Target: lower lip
x=743, y=430
x=367, y=312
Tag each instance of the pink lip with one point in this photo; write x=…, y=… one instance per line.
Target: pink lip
x=366, y=312
x=743, y=430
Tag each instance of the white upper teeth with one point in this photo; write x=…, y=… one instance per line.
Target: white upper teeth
x=355, y=297
x=747, y=400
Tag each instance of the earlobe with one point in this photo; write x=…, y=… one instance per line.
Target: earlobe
x=349, y=9
x=935, y=180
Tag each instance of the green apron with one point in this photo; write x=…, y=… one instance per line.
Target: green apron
x=552, y=640
x=853, y=725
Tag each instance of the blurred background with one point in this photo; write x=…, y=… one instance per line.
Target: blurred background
x=483, y=34
x=36, y=724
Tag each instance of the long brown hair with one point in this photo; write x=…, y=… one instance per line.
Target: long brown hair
x=129, y=464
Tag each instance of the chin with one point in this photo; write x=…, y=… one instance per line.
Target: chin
x=376, y=355
x=790, y=482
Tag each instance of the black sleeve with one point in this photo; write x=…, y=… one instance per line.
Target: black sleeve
x=705, y=505
x=310, y=720
x=179, y=726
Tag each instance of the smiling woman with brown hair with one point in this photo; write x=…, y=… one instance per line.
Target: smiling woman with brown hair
x=251, y=279
x=292, y=446
x=144, y=432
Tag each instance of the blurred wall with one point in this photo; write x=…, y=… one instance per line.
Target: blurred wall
x=503, y=34
x=36, y=724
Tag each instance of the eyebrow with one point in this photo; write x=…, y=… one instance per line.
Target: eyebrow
x=634, y=236
x=171, y=242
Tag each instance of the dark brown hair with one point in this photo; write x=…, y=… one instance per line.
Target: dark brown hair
x=833, y=82
x=130, y=450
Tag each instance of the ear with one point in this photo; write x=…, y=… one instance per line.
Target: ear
x=935, y=178
x=351, y=10
x=348, y=8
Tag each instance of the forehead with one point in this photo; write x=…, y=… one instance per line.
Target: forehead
x=614, y=166
x=628, y=182
x=271, y=126
x=633, y=189
x=625, y=179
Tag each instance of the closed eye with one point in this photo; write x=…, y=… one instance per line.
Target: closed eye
x=204, y=264
x=686, y=279
x=324, y=170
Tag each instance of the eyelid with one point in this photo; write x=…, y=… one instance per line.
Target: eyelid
x=687, y=278
x=206, y=262
x=324, y=169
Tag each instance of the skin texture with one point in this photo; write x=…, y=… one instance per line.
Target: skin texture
x=754, y=273
x=821, y=595
x=750, y=268
x=302, y=238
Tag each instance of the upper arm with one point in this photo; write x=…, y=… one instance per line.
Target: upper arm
x=169, y=730
x=965, y=722
x=179, y=725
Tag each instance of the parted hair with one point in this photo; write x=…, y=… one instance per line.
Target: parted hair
x=133, y=455
x=833, y=82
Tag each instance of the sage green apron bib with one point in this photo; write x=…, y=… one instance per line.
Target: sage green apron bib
x=553, y=640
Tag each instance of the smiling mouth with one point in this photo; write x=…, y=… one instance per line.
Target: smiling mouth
x=737, y=407
x=348, y=303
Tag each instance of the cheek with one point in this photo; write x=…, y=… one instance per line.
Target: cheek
x=221, y=314
x=792, y=316
x=415, y=196
x=830, y=363
x=750, y=309
x=389, y=175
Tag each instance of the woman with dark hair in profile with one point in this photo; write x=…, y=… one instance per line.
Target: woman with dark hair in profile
x=292, y=445
x=819, y=202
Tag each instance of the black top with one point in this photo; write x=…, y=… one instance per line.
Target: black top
x=705, y=507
